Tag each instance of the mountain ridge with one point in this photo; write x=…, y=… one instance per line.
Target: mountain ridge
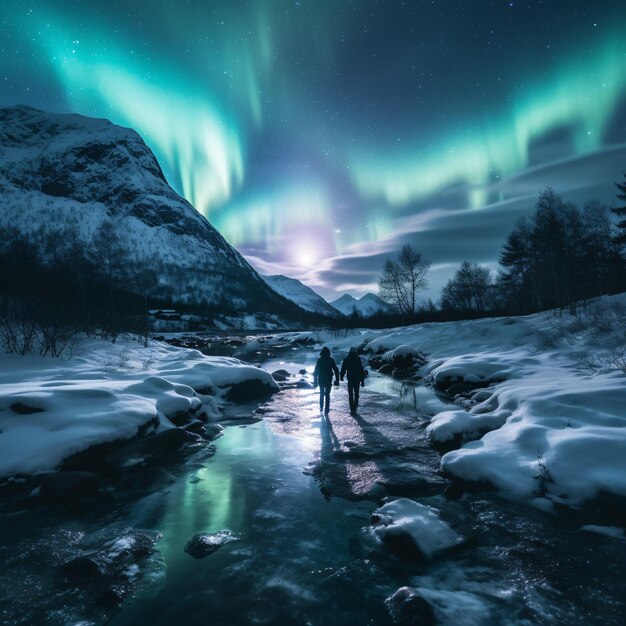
x=301, y=294
x=366, y=306
x=71, y=171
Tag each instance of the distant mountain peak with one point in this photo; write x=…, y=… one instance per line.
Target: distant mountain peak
x=366, y=306
x=303, y=296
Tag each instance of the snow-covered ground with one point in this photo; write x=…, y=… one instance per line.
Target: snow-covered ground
x=51, y=408
x=549, y=422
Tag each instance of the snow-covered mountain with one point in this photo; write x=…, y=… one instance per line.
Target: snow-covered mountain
x=61, y=172
x=303, y=296
x=366, y=306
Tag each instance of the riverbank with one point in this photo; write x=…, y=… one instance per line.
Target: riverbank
x=540, y=400
x=52, y=409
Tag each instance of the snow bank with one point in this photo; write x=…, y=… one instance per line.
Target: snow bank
x=419, y=522
x=550, y=416
x=50, y=409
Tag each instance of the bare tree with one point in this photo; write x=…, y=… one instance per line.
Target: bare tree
x=403, y=279
x=109, y=257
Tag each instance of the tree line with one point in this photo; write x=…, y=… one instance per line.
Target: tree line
x=53, y=285
x=57, y=284
x=557, y=258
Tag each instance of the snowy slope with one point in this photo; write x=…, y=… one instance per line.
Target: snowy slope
x=302, y=295
x=366, y=306
x=64, y=171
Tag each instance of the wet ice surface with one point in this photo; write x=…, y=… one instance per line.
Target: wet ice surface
x=297, y=490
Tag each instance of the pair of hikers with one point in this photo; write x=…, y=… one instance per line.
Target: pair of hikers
x=323, y=376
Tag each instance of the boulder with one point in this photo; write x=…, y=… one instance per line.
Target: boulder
x=280, y=375
x=166, y=442
x=413, y=531
x=408, y=608
x=204, y=544
x=82, y=568
x=250, y=390
x=154, y=448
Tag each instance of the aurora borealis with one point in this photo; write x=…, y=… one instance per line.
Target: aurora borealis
x=319, y=136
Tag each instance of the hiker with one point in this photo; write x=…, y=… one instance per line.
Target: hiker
x=323, y=376
x=356, y=376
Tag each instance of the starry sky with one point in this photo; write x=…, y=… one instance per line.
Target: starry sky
x=320, y=135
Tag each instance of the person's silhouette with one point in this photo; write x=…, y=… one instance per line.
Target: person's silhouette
x=353, y=367
x=323, y=376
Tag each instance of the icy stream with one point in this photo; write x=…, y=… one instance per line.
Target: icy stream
x=297, y=491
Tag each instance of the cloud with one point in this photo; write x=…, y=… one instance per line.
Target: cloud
x=447, y=237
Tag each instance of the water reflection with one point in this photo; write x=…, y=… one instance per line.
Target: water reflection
x=255, y=487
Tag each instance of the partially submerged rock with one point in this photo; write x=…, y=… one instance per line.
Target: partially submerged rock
x=413, y=531
x=280, y=375
x=109, y=574
x=250, y=390
x=403, y=362
x=408, y=608
x=204, y=544
x=156, y=448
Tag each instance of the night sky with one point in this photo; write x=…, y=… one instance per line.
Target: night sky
x=320, y=135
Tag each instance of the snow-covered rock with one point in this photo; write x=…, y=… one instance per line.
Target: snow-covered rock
x=403, y=522
x=366, y=306
x=51, y=409
x=302, y=295
x=60, y=171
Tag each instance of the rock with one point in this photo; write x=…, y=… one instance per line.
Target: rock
x=109, y=574
x=166, y=442
x=81, y=568
x=403, y=546
x=67, y=486
x=181, y=418
x=249, y=390
x=213, y=431
x=414, y=532
x=303, y=384
x=403, y=363
x=204, y=544
x=155, y=448
x=303, y=372
x=198, y=428
x=111, y=597
x=23, y=409
x=280, y=375
x=407, y=608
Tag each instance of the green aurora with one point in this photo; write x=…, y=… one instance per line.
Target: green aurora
x=241, y=106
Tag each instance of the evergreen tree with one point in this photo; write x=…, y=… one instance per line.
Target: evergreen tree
x=515, y=280
x=620, y=212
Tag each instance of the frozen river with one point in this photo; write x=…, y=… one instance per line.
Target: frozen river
x=297, y=490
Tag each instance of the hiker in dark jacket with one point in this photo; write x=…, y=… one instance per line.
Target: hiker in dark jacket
x=353, y=367
x=323, y=376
